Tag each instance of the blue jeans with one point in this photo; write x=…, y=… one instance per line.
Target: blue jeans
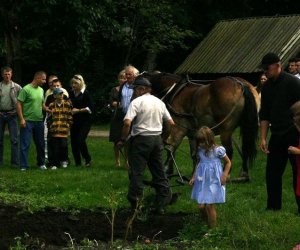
x=35, y=130
x=12, y=123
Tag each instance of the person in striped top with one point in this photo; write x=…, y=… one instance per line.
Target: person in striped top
x=59, y=126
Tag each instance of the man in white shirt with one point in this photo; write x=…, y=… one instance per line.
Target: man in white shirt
x=146, y=115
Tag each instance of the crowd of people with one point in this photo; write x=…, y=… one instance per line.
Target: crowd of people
x=48, y=119
x=136, y=127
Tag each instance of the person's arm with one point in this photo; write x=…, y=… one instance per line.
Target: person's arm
x=167, y=129
x=113, y=97
x=46, y=105
x=126, y=129
x=294, y=150
x=20, y=114
x=227, y=166
x=125, y=133
x=264, y=128
x=87, y=102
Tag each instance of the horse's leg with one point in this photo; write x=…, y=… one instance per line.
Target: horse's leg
x=175, y=138
x=168, y=164
x=227, y=143
x=245, y=167
x=193, y=151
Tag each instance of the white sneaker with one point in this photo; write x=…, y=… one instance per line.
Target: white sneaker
x=53, y=167
x=64, y=164
x=43, y=167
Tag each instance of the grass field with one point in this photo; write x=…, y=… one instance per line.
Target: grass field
x=243, y=222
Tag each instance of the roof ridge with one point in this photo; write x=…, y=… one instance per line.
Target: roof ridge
x=258, y=17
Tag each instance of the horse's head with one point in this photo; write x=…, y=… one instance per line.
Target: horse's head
x=161, y=82
x=296, y=114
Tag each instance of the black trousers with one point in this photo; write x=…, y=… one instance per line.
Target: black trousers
x=59, y=150
x=79, y=133
x=147, y=151
x=276, y=163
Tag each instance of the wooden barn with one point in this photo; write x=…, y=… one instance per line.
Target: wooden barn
x=235, y=47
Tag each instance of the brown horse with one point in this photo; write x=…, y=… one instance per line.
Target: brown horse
x=223, y=105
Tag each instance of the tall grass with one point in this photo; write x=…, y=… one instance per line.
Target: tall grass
x=243, y=222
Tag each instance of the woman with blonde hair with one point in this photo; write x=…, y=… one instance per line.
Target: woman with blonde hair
x=82, y=110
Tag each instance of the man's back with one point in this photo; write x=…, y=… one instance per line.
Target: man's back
x=149, y=113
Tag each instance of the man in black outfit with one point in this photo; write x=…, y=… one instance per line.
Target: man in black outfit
x=279, y=93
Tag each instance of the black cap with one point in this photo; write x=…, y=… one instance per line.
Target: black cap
x=141, y=81
x=269, y=59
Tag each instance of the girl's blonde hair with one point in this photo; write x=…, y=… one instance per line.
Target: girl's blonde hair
x=206, y=138
x=79, y=80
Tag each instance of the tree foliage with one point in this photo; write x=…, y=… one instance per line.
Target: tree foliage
x=98, y=38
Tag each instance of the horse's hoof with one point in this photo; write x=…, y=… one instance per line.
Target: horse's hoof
x=244, y=174
x=241, y=179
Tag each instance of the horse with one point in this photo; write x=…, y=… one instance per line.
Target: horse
x=222, y=104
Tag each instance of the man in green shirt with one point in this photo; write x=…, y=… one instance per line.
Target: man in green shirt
x=29, y=109
x=9, y=91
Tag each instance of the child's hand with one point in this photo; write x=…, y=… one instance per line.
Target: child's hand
x=191, y=182
x=223, y=179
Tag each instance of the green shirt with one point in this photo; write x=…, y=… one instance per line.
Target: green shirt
x=32, y=103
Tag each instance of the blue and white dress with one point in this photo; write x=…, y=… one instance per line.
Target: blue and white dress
x=207, y=187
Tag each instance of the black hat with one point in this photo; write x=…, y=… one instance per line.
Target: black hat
x=269, y=59
x=141, y=81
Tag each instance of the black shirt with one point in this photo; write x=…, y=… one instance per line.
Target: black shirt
x=277, y=96
x=83, y=100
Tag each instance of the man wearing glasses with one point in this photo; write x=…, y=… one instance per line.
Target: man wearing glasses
x=279, y=93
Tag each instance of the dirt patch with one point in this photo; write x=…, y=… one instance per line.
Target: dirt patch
x=49, y=226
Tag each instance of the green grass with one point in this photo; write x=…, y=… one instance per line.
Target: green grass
x=243, y=222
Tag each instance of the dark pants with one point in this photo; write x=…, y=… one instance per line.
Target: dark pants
x=143, y=151
x=35, y=130
x=79, y=133
x=12, y=123
x=276, y=163
x=59, y=150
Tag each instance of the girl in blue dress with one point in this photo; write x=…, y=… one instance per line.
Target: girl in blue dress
x=209, y=176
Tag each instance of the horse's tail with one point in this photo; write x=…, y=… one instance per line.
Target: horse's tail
x=249, y=126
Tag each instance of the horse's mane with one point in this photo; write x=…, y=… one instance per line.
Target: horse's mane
x=158, y=79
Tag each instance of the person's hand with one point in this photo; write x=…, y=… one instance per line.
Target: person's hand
x=264, y=146
x=191, y=182
x=22, y=123
x=223, y=179
x=48, y=110
x=292, y=150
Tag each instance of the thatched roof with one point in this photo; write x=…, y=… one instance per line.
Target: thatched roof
x=237, y=46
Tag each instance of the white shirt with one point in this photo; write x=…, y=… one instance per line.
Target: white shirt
x=147, y=113
x=298, y=75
